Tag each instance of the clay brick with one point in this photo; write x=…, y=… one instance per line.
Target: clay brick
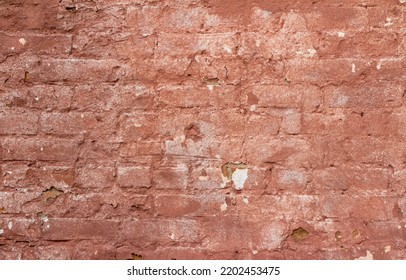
x=324, y=72
x=357, y=178
x=294, y=180
x=134, y=176
x=184, y=206
x=73, y=70
x=74, y=229
x=278, y=96
x=77, y=123
x=36, y=149
x=158, y=231
x=370, y=95
x=20, y=123
x=95, y=176
x=175, y=177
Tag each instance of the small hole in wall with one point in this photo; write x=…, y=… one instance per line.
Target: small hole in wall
x=136, y=257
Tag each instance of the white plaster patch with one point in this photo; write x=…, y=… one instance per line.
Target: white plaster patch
x=255, y=252
x=1, y=231
x=10, y=225
x=353, y=68
x=245, y=200
x=239, y=177
x=388, y=22
x=369, y=256
x=223, y=207
x=399, y=226
x=203, y=178
x=253, y=108
x=172, y=236
x=210, y=87
x=12, y=48
x=22, y=41
x=341, y=34
x=387, y=249
x=310, y=53
x=402, y=1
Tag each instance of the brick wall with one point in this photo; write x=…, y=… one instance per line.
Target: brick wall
x=202, y=129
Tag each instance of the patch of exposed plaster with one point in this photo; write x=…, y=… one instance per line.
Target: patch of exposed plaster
x=369, y=256
x=387, y=249
x=245, y=200
x=379, y=64
x=388, y=22
x=10, y=225
x=1, y=231
x=22, y=41
x=235, y=172
x=203, y=178
x=341, y=34
x=172, y=236
x=353, y=68
x=223, y=207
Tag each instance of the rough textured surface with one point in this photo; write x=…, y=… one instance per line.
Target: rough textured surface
x=127, y=126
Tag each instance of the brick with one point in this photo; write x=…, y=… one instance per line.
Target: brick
x=175, y=177
x=37, y=149
x=11, y=202
x=134, y=176
x=161, y=231
x=73, y=70
x=295, y=180
x=74, y=229
x=374, y=95
x=356, y=178
x=95, y=176
x=358, y=207
x=278, y=96
x=20, y=123
x=324, y=72
x=184, y=206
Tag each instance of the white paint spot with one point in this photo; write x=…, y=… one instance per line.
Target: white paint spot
x=82, y=115
x=353, y=68
x=399, y=226
x=388, y=21
x=22, y=41
x=172, y=236
x=227, y=49
x=245, y=200
x=239, y=177
x=379, y=64
x=137, y=125
x=387, y=249
x=341, y=34
x=12, y=48
x=369, y=256
x=36, y=98
x=253, y=108
x=44, y=218
x=42, y=149
x=310, y=53
x=10, y=225
x=223, y=207
x=1, y=231
x=203, y=178
x=255, y=252
x=210, y=87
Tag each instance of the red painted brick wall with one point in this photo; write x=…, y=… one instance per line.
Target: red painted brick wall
x=127, y=126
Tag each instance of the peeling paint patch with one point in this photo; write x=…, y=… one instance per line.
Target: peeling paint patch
x=10, y=225
x=1, y=231
x=211, y=83
x=22, y=41
x=387, y=249
x=203, y=178
x=245, y=200
x=388, y=22
x=353, y=68
x=369, y=256
x=379, y=64
x=235, y=172
x=341, y=34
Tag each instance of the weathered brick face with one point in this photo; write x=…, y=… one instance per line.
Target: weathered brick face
x=193, y=129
